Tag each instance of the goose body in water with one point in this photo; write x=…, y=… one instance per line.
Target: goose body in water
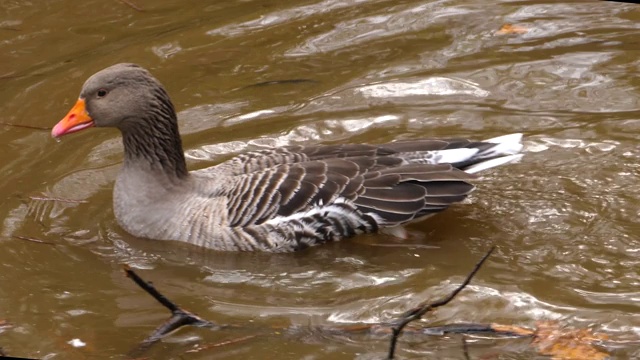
x=284, y=199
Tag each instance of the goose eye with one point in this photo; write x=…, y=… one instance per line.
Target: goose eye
x=102, y=93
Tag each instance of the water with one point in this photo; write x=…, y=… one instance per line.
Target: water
x=250, y=74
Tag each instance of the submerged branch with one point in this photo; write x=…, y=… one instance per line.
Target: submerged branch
x=20, y=125
x=465, y=349
x=221, y=343
x=378, y=329
x=281, y=82
x=417, y=312
x=47, y=198
x=548, y=338
x=179, y=317
x=26, y=238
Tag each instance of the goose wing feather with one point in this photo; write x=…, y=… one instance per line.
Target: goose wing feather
x=381, y=187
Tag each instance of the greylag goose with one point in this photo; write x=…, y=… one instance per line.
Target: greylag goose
x=283, y=199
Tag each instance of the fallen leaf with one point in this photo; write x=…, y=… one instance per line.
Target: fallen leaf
x=566, y=343
x=512, y=29
x=517, y=330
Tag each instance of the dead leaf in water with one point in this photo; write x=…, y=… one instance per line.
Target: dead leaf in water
x=507, y=29
x=568, y=344
x=516, y=330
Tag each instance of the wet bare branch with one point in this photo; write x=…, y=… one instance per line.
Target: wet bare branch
x=417, y=312
x=379, y=329
x=546, y=337
x=132, y=5
x=26, y=238
x=474, y=328
x=179, y=317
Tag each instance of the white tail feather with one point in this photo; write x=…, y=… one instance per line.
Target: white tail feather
x=492, y=163
x=452, y=156
x=506, y=145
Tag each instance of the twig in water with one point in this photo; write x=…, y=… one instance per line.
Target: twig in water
x=33, y=240
x=281, y=82
x=417, y=312
x=25, y=126
x=474, y=328
x=380, y=329
x=132, y=5
x=3, y=323
x=465, y=348
x=46, y=198
x=179, y=317
x=222, y=343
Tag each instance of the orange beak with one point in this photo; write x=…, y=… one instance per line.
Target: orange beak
x=77, y=119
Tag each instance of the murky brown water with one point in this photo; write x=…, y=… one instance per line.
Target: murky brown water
x=565, y=219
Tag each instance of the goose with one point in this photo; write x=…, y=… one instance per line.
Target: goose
x=277, y=200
